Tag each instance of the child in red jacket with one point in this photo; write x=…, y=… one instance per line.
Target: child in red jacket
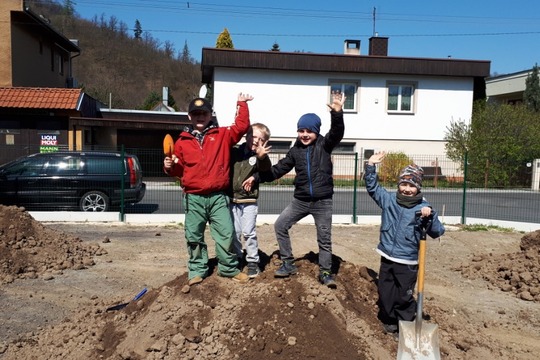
x=201, y=160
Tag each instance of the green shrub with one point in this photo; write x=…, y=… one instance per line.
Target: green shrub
x=391, y=166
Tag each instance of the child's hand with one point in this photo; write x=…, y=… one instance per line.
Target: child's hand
x=168, y=163
x=376, y=158
x=425, y=212
x=244, y=97
x=248, y=183
x=338, y=99
x=262, y=150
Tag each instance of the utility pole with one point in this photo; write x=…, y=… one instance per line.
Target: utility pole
x=374, y=11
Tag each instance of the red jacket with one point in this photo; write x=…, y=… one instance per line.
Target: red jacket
x=205, y=169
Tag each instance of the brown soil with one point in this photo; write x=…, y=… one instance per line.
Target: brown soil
x=58, y=279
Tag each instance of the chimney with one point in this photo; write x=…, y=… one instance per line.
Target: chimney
x=165, y=96
x=351, y=47
x=378, y=46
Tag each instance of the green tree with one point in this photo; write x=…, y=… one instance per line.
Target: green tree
x=458, y=139
x=138, y=29
x=224, y=40
x=531, y=96
x=275, y=47
x=155, y=98
x=186, y=54
x=504, y=138
x=68, y=8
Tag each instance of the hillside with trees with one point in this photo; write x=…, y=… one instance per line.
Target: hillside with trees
x=123, y=64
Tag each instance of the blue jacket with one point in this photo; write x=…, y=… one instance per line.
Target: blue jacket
x=400, y=227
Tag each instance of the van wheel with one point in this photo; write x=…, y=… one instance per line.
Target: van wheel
x=94, y=201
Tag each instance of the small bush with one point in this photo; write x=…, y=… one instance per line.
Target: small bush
x=392, y=165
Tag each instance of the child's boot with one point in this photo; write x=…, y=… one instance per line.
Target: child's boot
x=286, y=269
x=326, y=278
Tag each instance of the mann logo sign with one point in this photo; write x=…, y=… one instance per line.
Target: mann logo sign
x=48, y=143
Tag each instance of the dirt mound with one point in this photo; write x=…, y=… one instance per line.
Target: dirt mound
x=219, y=319
x=517, y=272
x=29, y=250
x=267, y=318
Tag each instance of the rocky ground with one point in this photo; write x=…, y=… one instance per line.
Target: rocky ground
x=57, y=281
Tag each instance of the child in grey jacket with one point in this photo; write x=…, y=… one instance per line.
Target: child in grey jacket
x=399, y=240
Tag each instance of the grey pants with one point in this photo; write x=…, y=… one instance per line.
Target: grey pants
x=321, y=210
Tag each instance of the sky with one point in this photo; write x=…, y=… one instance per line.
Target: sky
x=503, y=32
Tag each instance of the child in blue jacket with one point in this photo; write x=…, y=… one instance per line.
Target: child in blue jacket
x=399, y=240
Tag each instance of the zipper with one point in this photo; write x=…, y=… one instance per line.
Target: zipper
x=309, y=170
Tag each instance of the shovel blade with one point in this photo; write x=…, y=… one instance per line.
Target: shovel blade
x=427, y=346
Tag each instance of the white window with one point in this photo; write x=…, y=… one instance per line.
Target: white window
x=349, y=88
x=401, y=98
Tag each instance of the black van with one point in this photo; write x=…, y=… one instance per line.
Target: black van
x=88, y=181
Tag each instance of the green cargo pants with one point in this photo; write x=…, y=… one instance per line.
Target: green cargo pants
x=213, y=209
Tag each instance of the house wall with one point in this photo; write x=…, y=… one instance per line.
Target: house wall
x=280, y=98
x=507, y=88
x=37, y=61
x=5, y=40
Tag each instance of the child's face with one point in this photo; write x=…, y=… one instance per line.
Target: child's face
x=407, y=189
x=200, y=119
x=306, y=136
x=255, y=139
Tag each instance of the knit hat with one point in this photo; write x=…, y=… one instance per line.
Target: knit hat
x=311, y=122
x=412, y=174
x=200, y=104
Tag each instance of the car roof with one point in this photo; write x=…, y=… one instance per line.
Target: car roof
x=80, y=153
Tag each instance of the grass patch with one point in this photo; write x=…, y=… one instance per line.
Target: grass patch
x=483, y=227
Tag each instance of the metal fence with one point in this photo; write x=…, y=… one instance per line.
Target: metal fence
x=447, y=185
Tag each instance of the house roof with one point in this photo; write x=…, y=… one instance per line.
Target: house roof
x=337, y=63
x=30, y=17
x=40, y=98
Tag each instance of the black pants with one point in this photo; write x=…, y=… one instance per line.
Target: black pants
x=396, y=287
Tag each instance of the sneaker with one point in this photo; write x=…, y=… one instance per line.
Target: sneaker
x=195, y=280
x=326, y=278
x=286, y=269
x=390, y=328
x=253, y=270
x=240, y=277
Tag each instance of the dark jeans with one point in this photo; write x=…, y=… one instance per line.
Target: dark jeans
x=321, y=210
x=396, y=286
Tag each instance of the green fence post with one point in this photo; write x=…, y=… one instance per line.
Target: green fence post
x=355, y=186
x=122, y=179
x=465, y=166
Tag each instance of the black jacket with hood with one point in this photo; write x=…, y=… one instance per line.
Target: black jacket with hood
x=312, y=164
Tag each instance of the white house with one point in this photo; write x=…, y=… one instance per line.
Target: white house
x=508, y=88
x=393, y=103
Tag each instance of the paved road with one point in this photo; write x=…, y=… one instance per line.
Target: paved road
x=509, y=205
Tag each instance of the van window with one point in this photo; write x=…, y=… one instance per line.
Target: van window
x=67, y=165
x=104, y=166
x=28, y=167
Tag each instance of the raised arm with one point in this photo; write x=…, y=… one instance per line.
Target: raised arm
x=241, y=121
x=337, y=126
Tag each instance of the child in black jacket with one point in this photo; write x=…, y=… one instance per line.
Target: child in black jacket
x=313, y=188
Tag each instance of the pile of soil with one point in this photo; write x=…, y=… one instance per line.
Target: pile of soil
x=29, y=250
x=517, y=272
x=267, y=318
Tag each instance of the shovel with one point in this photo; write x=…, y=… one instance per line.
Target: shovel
x=121, y=306
x=418, y=340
